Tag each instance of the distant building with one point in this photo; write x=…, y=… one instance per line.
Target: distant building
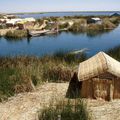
x=30, y=19
x=94, y=21
x=12, y=22
x=27, y=23
x=9, y=16
x=20, y=23
x=2, y=21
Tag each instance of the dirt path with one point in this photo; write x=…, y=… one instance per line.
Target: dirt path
x=25, y=106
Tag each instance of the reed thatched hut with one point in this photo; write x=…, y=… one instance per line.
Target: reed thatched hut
x=94, y=21
x=100, y=77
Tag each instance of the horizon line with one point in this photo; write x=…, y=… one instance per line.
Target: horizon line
x=59, y=11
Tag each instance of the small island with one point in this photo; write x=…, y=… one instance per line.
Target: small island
x=13, y=27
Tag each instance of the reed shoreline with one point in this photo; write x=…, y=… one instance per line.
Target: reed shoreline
x=72, y=24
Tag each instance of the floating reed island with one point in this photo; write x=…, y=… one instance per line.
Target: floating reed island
x=53, y=25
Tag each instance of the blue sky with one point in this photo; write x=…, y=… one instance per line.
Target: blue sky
x=58, y=5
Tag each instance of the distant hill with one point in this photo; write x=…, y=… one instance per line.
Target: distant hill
x=115, y=14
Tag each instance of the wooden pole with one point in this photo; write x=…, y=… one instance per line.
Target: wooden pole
x=111, y=89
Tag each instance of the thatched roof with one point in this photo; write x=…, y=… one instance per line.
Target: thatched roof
x=97, y=65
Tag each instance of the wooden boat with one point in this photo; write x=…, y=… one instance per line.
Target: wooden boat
x=55, y=31
x=51, y=32
x=37, y=33
x=64, y=29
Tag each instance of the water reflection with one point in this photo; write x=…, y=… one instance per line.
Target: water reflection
x=89, y=33
x=92, y=34
x=15, y=40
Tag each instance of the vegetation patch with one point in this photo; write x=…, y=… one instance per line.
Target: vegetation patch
x=65, y=25
x=16, y=34
x=66, y=110
x=69, y=58
x=22, y=74
x=12, y=82
x=114, y=52
x=80, y=25
x=57, y=74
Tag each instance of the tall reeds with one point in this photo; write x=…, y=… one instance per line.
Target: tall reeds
x=22, y=74
x=17, y=34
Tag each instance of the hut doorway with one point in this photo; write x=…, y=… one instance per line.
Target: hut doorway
x=102, y=89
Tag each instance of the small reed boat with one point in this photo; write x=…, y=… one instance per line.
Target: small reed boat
x=37, y=33
x=52, y=32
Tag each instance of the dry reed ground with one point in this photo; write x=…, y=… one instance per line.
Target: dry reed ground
x=25, y=106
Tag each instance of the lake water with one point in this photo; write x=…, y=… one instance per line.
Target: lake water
x=66, y=41
x=61, y=14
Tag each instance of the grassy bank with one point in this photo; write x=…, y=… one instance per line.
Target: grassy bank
x=22, y=74
x=18, y=74
x=65, y=110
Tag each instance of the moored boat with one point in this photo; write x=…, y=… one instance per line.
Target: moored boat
x=52, y=32
x=37, y=33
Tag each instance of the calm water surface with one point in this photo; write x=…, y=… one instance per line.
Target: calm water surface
x=42, y=45
x=61, y=14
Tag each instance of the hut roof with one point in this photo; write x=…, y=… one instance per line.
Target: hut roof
x=13, y=21
x=98, y=64
x=96, y=19
x=30, y=19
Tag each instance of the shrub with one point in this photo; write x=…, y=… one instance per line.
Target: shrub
x=69, y=110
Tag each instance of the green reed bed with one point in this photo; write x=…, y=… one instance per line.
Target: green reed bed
x=16, y=34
